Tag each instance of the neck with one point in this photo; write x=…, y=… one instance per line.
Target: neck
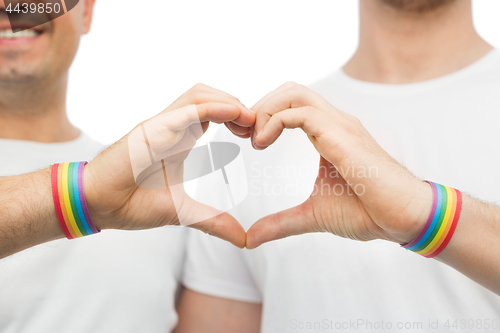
x=35, y=112
x=397, y=46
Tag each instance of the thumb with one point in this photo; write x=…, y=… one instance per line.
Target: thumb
x=293, y=221
x=223, y=226
x=206, y=218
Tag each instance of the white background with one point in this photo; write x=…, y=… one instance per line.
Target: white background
x=141, y=55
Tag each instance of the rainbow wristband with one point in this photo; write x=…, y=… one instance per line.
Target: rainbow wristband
x=441, y=224
x=69, y=200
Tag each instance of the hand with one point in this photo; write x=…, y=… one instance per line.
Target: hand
x=121, y=185
x=201, y=93
x=380, y=199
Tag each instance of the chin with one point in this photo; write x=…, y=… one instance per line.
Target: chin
x=18, y=74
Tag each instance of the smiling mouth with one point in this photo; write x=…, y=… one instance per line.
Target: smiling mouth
x=19, y=33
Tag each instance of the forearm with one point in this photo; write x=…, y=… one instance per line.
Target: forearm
x=27, y=213
x=474, y=249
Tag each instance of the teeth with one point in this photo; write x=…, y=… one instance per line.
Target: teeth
x=9, y=34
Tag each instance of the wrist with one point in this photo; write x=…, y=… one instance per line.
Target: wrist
x=69, y=200
x=419, y=212
x=92, y=199
x=441, y=223
x=47, y=229
x=413, y=219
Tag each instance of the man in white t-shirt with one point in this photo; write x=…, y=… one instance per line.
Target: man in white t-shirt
x=425, y=85
x=115, y=281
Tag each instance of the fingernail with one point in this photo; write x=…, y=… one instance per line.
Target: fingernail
x=254, y=137
x=256, y=145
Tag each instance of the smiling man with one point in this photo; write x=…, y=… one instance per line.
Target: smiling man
x=112, y=282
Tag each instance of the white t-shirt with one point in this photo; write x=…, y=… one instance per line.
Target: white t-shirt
x=445, y=130
x=116, y=281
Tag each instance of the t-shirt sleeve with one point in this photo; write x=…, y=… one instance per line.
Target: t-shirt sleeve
x=218, y=268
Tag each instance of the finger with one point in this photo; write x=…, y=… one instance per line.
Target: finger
x=217, y=112
x=166, y=130
x=193, y=96
x=201, y=94
x=246, y=136
x=294, y=221
x=281, y=88
x=312, y=121
x=246, y=117
x=294, y=97
x=184, y=117
x=237, y=130
x=212, y=90
x=204, y=217
x=264, y=99
x=225, y=227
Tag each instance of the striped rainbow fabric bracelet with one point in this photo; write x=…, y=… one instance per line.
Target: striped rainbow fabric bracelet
x=69, y=200
x=441, y=224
